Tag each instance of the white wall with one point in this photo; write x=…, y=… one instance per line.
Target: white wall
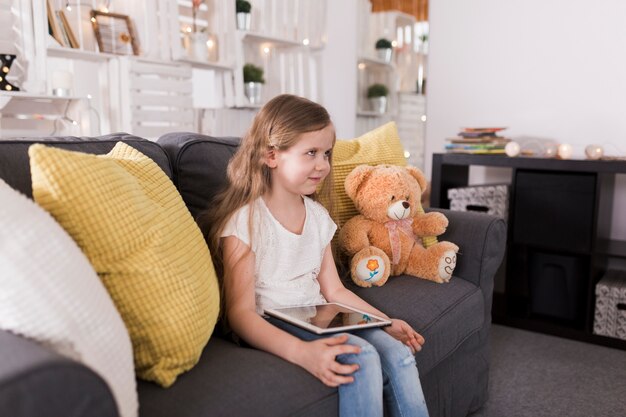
x=552, y=69
x=339, y=69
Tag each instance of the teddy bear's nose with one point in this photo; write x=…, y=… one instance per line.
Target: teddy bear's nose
x=406, y=204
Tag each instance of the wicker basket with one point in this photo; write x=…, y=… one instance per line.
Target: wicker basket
x=491, y=199
x=610, y=314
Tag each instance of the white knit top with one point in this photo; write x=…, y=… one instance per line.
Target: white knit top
x=286, y=264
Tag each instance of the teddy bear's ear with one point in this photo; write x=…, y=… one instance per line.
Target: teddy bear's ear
x=356, y=178
x=419, y=176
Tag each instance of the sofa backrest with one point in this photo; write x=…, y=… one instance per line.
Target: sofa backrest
x=15, y=166
x=199, y=165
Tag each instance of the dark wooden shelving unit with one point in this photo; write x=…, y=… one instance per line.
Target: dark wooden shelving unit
x=558, y=244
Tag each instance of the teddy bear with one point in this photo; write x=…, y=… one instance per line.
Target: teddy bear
x=387, y=237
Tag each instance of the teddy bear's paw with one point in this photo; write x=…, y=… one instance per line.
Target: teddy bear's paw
x=370, y=269
x=446, y=265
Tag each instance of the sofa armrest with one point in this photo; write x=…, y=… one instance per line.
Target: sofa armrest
x=35, y=381
x=481, y=239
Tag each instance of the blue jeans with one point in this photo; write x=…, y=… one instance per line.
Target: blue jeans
x=387, y=371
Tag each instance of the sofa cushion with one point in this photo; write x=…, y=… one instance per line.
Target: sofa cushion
x=14, y=168
x=199, y=164
x=50, y=293
x=133, y=226
x=231, y=380
x=445, y=314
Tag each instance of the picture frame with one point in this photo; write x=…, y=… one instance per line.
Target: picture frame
x=114, y=33
x=69, y=33
x=53, y=24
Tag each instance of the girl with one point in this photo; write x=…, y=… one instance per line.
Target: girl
x=272, y=241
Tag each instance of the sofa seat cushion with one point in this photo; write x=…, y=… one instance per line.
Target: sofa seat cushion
x=445, y=314
x=231, y=380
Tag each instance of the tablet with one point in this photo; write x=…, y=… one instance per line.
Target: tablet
x=327, y=318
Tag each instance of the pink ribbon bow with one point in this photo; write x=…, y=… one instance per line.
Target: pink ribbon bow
x=393, y=227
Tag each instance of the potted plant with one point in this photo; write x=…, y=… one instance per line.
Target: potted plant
x=377, y=96
x=384, y=49
x=243, y=14
x=253, y=82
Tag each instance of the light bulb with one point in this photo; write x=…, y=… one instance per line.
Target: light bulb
x=565, y=151
x=550, y=150
x=512, y=149
x=594, y=152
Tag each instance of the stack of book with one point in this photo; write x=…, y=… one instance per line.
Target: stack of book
x=478, y=140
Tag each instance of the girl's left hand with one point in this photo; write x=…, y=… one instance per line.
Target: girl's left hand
x=402, y=331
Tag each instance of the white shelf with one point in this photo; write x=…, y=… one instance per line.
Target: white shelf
x=70, y=53
x=116, y=83
x=259, y=38
x=6, y=97
x=377, y=62
x=368, y=113
x=206, y=64
x=249, y=106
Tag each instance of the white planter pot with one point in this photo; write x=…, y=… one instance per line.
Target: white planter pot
x=384, y=54
x=378, y=104
x=243, y=21
x=253, y=92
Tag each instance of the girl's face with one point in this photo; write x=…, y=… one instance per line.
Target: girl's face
x=302, y=167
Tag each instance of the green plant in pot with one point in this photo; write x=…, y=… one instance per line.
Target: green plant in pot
x=243, y=8
x=384, y=49
x=253, y=82
x=377, y=96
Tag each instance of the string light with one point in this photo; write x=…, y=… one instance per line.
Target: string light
x=6, y=60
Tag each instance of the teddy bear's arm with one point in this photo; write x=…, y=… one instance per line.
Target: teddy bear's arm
x=353, y=236
x=429, y=224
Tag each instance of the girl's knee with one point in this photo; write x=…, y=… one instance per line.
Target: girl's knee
x=368, y=357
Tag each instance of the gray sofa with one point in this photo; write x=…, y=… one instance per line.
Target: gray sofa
x=231, y=380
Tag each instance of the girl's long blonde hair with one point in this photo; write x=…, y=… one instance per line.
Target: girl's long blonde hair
x=277, y=126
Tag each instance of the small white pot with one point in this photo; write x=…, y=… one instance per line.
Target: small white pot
x=378, y=104
x=198, y=49
x=243, y=21
x=384, y=54
x=253, y=92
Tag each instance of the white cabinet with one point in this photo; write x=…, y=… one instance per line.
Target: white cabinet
x=167, y=86
x=402, y=76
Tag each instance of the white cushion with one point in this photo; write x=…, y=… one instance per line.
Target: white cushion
x=50, y=293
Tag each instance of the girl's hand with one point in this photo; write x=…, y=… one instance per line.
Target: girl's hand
x=318, y=357
x=402, y=331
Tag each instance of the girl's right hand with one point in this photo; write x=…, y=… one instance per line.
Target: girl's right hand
x=318, y=357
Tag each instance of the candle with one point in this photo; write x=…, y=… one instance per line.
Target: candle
x=61, y=83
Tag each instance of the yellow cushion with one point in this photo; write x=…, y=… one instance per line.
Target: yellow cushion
x=379, y=146
x=130, y=221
